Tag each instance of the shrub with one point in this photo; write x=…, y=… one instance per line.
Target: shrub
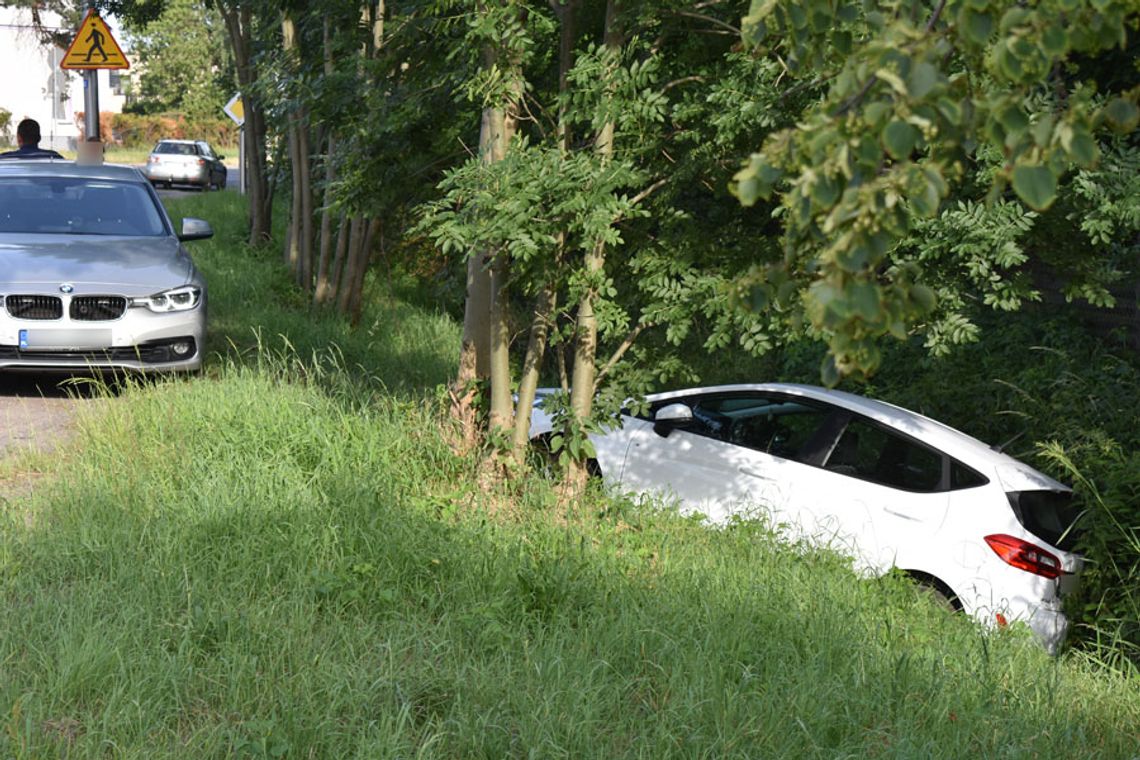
x=143, y=130
x=5, y=126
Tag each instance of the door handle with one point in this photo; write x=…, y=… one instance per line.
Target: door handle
x=900, y=513
x=753, y=472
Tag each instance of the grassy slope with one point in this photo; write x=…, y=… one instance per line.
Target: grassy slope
x=250, y=565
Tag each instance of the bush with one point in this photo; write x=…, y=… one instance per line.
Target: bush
x=5, y=126
x=142, y=131
x=105, y=129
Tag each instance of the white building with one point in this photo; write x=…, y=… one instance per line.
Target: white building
x=36, y=87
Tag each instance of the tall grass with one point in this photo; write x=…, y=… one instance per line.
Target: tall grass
x=266, y=563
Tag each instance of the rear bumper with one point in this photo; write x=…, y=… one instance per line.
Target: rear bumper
x=177, y=174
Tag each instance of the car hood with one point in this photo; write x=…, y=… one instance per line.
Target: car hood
x=90, y=263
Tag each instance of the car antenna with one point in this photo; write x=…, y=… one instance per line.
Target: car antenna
x=1001, y=447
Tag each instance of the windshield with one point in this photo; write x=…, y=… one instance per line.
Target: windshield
x=77, y=206
x=177, y=149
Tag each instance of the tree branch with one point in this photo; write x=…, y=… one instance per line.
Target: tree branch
x=620, y=352
x=648, y=191
x=712, y=20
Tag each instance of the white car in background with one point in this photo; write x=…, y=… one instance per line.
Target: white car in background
x=887, y=486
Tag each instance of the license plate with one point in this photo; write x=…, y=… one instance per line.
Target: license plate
x=49, y=340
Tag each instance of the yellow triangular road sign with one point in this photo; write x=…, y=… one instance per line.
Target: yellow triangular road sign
x=94, y=47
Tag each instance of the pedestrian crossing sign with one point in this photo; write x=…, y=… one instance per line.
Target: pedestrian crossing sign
x=94, y=47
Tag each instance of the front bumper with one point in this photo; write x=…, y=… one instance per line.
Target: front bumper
x=139, y=340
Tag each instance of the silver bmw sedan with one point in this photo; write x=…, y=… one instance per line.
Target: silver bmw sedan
x=93, y=275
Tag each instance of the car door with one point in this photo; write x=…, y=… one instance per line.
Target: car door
x=879, y=496
x=216, y=166
x=735, y=456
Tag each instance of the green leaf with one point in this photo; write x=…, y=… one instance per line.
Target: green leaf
x=1007, y=63
x=1054, y=41
x=976, y=26
x=923, y=78
x=759, y=298
x=1079, y=144
x=876, y=112
x=1122, y=115
x=865, y=300
x=1013, y=119
x=825, y=191
x=923, y=296
x=1035, y=185
x=899, y=139
x=829, y=371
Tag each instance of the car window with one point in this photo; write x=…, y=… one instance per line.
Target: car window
x=775, y=425
x=177, y=149
x=78, y=206
x=205, y=150
x=962, y=476
x=870, y=452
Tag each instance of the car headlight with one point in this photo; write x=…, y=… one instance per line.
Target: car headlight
x=178, y=299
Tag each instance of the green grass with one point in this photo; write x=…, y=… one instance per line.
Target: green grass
x=282, y=559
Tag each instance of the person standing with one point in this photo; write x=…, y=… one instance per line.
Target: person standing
x=28, y=140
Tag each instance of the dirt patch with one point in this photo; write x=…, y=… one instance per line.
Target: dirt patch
x=36, y=414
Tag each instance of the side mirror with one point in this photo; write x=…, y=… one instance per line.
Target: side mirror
x=669, y=417
x=221, y=157
x=195, y=229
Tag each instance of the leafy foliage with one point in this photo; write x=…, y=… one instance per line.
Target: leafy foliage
x=187, y=30
x=911, y=94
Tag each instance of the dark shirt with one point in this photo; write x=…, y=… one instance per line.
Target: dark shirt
x=31, y=151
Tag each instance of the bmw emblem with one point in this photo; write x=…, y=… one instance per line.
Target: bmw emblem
x=66, y=287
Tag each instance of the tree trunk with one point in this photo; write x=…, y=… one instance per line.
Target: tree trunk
x=586, y=344
x=547, y=299
x=477, y=349
x=299, y=254
x=239, y=27
x=322, y=287
x=351, y=260
x=337, y=267
x=303, y=167
x=356, y=301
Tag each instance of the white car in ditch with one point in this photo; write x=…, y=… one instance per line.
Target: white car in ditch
x=887, y=486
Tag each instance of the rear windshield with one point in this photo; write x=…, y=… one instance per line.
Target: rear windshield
x=177, y=149
x=78, y=206
x=1050, y=515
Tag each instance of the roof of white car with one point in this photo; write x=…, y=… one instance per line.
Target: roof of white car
x=952, y=441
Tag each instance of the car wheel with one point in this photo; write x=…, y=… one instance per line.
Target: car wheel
x=936, y=591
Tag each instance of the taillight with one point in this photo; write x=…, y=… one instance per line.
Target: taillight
x=1024, y=555
x=201, y=162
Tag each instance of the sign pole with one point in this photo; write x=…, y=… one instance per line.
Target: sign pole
x=241, y=159
x=91, y=104
x=91, y=96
